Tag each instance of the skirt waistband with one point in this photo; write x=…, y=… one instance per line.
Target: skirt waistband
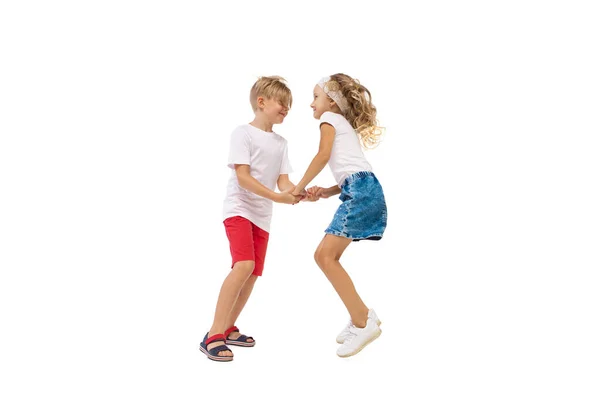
x=357, y=175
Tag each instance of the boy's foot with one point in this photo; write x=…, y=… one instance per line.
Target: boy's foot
x=217, y=343
x=235, y=338
x=346, y=331
x=358, y=338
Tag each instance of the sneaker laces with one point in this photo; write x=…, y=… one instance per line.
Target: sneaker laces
x=351, y=334
x=348, y=325
x=346, y=329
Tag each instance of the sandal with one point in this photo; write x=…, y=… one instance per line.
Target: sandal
x=241, y=341
x=213, y=353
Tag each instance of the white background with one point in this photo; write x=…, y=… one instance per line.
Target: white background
x=115, y=119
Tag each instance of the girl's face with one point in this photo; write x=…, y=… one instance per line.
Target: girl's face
x=321, y=102
x=273, y=109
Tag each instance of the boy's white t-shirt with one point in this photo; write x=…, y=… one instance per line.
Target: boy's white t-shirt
x=347, y=156
x=267, y=155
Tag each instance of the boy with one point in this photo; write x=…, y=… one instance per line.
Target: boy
x=259, y=160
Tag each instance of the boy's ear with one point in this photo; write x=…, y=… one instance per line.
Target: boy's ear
x=260, y=101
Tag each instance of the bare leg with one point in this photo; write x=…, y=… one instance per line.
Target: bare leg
x=327, y=257
x=239, y=306
x=230, y=291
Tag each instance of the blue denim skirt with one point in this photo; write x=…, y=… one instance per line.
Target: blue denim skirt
x=363, y=212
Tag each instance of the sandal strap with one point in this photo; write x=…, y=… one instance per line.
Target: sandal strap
x=215, y=350
x=243, y=338
x=232, y=329
x=215, y=338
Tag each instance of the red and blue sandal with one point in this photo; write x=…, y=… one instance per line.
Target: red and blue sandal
x=241, y=341
x=213, y=353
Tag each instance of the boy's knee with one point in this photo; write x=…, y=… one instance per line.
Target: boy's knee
x=245, y=267
x=251, y=279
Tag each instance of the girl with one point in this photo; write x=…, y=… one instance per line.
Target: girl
x=347, y=119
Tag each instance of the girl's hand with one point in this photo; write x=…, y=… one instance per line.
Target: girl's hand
x=322, y=193
x=312, y=194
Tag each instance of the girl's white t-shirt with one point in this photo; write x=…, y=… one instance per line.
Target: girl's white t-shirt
x=347, y=156
x=267, y=155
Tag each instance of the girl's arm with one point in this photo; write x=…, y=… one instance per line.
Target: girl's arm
x=331, y=191
x=320, y=160
x=316, y=192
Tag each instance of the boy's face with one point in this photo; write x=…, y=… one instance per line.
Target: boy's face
x=321, y=102
x=273, y=109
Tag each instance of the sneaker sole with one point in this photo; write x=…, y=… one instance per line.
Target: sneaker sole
x=363, y=346
x=341, y=341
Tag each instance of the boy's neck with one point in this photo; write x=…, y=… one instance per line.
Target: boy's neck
x=262, y=124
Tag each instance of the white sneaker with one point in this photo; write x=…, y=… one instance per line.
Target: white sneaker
x=344, y=333
x=358, y=338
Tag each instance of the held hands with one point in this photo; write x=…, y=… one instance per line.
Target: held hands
x=296, y=194
x=290, y=197
x=297, y=191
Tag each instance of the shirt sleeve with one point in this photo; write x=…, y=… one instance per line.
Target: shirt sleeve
x=328, y=118
x=286, y=166
x=239, y=148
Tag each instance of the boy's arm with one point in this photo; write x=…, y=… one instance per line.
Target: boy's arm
x=251, y=184
x=320, y=160
x=284, y=183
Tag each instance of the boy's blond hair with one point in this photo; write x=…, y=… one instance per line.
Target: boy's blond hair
x=271, y=87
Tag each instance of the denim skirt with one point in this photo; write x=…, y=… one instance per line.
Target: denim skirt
x=363, y=212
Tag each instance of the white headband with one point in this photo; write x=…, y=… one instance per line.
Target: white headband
x=332, y=89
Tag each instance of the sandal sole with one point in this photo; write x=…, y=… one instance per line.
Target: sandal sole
x=241, y=344
x=216, y=358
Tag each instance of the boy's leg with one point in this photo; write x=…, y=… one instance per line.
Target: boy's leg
x=230, y=291
x=239, y=233
x=261, y=241
x=239, y=306
x=327, y=257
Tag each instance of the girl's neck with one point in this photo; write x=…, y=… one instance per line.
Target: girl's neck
x=262, y=124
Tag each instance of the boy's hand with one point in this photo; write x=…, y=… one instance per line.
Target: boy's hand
x=299, y=192
x=288, y=198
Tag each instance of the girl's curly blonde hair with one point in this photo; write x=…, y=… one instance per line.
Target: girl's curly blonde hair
x=361, y=112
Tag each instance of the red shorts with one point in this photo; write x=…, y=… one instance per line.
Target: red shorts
x=247, y=242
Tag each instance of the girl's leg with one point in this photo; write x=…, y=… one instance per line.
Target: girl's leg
x=239, y=306
x=327, y=257
x=230, y=291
